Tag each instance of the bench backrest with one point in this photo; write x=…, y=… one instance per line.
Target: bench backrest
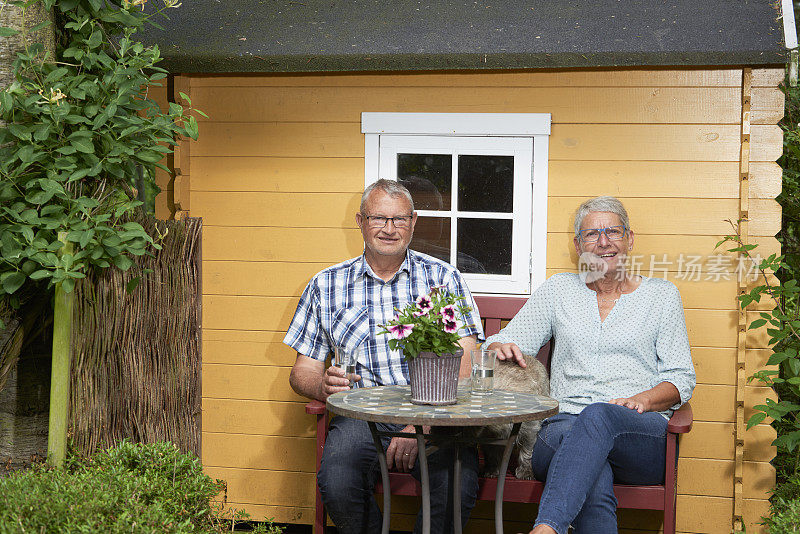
x=495, y=310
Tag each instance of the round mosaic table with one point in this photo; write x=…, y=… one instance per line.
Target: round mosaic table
x=392, y=404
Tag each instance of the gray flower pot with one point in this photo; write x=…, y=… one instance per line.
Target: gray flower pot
x=434, y=378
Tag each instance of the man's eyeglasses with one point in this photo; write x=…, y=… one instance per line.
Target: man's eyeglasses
x=379, y=221
x=592, y=235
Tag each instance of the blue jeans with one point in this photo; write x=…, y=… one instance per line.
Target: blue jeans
x=349, y=470
x=581, y=456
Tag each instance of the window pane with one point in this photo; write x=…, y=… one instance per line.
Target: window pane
x=432, y=237
x=486, y=183
x=484, y=246
x=428, y=177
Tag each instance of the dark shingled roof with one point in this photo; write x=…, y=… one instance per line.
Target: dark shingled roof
x=376, y=35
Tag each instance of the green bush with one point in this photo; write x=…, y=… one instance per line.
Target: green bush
x=130, y=488
x=785, y=517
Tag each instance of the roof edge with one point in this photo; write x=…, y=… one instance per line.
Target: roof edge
x=210, y=63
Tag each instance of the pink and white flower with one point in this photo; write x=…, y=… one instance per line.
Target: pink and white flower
x=450, y=325
x=449, y=312
x=400, y=331
x=424, y=304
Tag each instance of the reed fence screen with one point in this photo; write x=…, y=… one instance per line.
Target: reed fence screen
x=136, y=358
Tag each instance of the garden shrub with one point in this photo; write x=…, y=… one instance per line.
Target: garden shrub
x=785, y=517
x=130, y=488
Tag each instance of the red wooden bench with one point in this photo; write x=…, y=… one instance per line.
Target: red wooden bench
x=494, y=310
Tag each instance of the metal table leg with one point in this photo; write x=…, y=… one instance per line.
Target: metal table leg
x=457, y=489
x=501, y=479
x=424, y=481
x=387, y=492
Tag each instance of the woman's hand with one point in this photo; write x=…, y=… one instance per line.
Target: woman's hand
x=640, y=402
x=655, y=399
x=509, y=351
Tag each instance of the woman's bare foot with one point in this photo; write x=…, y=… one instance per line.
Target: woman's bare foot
x=542, y=529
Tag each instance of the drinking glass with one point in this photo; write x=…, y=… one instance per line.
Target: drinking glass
x=483, y=362
x=345, y=358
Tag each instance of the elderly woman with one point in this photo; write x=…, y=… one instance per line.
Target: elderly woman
x=621, y=366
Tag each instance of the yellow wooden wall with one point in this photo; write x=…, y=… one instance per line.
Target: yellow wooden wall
x=276, y=175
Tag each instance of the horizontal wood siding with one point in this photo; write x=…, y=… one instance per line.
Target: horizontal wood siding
x=277, y=174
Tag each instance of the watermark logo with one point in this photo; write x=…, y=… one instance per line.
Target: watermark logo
x=591, y=267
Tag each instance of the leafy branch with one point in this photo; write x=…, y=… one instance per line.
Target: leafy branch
x=783, y=329
x=78, y=130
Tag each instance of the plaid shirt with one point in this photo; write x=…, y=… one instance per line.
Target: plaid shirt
x=345, y=304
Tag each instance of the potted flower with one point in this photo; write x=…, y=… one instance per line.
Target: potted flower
x=427, y=333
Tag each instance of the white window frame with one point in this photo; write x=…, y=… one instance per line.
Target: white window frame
x=427, y=128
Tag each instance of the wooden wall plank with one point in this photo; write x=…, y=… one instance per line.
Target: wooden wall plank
x=765, y=179
x=716, y=441
x=277, y=488
x=248, y=451
x=298, y=515
x=768, y=77
x=711, y=402
x=597, y=105
x=766, y=142
x=272, y=278
x=233, y=416
x=248, y=382
x=651, y=216
x=246, y=336
x=710, y=515
x=766, y=105
x=759, y=480
x=754, y=512
x=250, y=313
x=674, y=142
x=756, y=359
x=714, y=478
x=295, y=139
x=660, y=179
x=671, y=179
x=248, y=353
x=317, y=245
x=675, y=216
x=278, y=174
x=530, y=78
x=299, y=210
x=561, y=253
x=712, y=365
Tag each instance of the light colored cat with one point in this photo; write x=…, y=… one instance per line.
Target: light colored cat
x=511, y=377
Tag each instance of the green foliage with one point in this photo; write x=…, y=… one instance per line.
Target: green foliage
x=131, y=488
x=79, y=128
x=783, y=329
x=430, y=325
x=790, y=195
x=785, y=517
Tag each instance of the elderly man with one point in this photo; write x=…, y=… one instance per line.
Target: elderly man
x=343, y=306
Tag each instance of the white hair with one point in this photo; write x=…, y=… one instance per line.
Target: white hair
x=390, y=187
x=609, y=204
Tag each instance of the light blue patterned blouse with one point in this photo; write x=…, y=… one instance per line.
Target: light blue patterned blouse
x=641, y=343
